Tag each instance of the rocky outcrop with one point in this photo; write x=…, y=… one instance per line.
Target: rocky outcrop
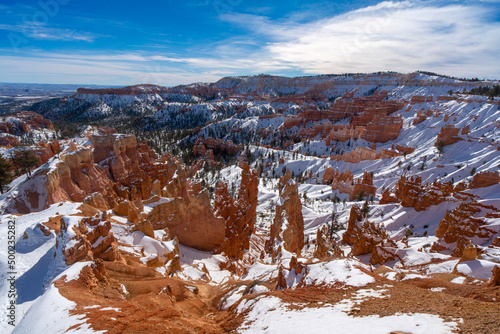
x=146, y=227
x=46, y=150
x=287, y=229
x=364, y=153
x=341, y=181
x=383, y=129
x=239, y=215
x=495, y=277
x=326, y=244
x=75, y=176
x=192, y=221
x=123, y=169
x=484, y=179
x=384, y=254
x=461, y=223
x=365, y=236
x=496, y=242
x=132, y=166
x=465, y=250
x=343, y=133
x=363, y=188
x=420, y=99
x=119, y=154
x=465, y=130
x=128, y=209
x=410, y=192
x=404, y=149
x=449, y=134
x=92, y=239
x=419, y=118
x=24, y=122
x=97, y=200
x=296, y=268
x=387, y=197
x=218, y=146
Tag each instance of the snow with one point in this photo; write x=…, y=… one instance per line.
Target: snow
x=261, y=271
x=50, y=314
x=476, y=268
x=272, y=315
x=152, y=247
x=344, y=271
x=233, y=297
x=73, y=272
x=458, y=280
x=38, y=268
x=194, y=262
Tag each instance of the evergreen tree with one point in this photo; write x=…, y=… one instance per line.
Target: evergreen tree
x=24, y=161
x=365, y=209
x=440, y=147
x=5, y=176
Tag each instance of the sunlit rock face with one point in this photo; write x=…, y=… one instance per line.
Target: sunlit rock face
x=287, y=229
x=239, y=214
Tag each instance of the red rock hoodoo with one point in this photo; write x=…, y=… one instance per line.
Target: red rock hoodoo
x=287, y=229
x=239, y=215
x=363, y=188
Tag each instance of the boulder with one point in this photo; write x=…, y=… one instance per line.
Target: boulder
x=495, y=277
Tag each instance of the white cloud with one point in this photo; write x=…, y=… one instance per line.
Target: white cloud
x=100, y=69
x=41, y=32
x=453, y=39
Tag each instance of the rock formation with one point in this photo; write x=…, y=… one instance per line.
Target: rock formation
x=239, y=215
x=75, y=176
x=295, y=268
x=218, y=146
x=383, y=129
x=420, y=99
x=461, y=223
x=495, y=276
x=192, y=221
x=410, y=192
x=484, y=179
x=339, y=181
x=24, y=122
x=92, y=239
x=364, y=237
x=364, y=153
x=363, y=188
x=449, y=134
x=287, y=229
x=326, y=245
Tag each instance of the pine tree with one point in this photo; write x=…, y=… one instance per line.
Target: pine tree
x=5, y=176
x=365, y=209
x=25, y=160
x=440, y=147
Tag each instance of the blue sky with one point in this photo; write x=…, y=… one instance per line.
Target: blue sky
x=178, y=42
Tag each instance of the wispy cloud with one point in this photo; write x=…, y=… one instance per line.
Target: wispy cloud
x=112, y=69
x=454, y=39
x=41, y=32
x=459, y=38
